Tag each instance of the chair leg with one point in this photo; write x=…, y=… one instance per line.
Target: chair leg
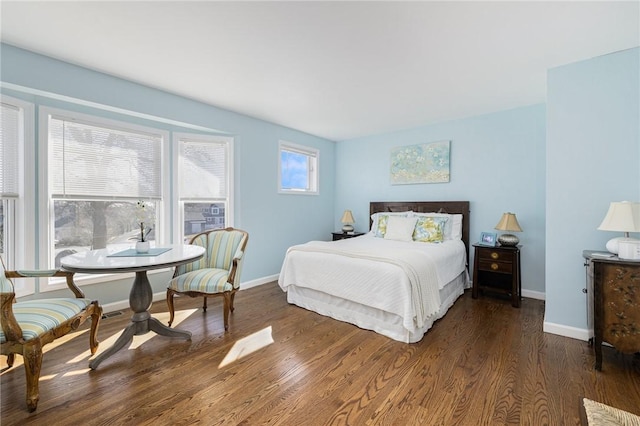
x=233, y=296
x=96, y=316
x=170, y=294
x=32, y=354
x=204, y=305
x=10, y=359
x=227, y=307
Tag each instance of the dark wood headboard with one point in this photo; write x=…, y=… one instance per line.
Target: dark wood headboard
x=451, y=207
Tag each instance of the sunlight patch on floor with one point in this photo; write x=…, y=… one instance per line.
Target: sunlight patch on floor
x=163, y=317
x=76, y=372
x=47, y=377
x=60, y=341
x=247, y=345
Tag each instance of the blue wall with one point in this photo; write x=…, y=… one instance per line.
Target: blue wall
x=497, y=163
x=593, y=158
x=274, y=221
x=557, y=166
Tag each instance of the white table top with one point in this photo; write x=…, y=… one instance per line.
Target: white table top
x=98, y=261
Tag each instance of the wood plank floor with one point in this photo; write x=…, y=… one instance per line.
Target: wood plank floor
x=484, y=363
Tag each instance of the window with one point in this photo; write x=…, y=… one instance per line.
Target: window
x=297, y=169
x=11, y=136
x=98, y=170
x=16, y=195
x=203, y=182
x=90, y=172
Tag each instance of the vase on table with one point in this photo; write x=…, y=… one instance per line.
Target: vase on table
x=142, y=247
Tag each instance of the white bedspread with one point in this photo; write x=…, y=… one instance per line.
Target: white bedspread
x=402, y=278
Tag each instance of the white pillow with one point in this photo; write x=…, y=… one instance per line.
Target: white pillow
x=378, y=230
x=456, y=226
x=453, y=227
x=400, y=228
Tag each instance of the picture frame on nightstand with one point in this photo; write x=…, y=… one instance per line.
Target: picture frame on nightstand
x=488, y=239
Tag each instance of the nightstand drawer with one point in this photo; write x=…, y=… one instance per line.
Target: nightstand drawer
x=495, y=255
x=492, y=266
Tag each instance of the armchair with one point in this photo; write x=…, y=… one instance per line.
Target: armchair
x=28, y=326
x=217, y=273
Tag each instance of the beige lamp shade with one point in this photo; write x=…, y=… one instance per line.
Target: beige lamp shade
x=508, y=222
x=347, y=221
x=622, y=216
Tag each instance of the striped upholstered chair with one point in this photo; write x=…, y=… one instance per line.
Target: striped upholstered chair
x=28, y=326
x=217, y=273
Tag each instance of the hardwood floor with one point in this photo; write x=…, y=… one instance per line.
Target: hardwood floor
x=484, y=363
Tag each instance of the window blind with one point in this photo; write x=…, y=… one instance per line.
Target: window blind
x=9, y=156
x=203, y=170
x=308, y=152
x=94, y=161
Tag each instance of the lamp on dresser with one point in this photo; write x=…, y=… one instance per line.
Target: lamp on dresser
x=622, y=216
x=347, y=221
x=508, y=222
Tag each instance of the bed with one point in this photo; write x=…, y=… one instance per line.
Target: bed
x=396, y=280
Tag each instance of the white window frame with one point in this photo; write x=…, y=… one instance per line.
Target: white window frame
x=20, y=249
x=178, y=200
x=46, y=213
x=313, y=156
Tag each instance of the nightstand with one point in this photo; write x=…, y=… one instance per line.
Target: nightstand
x=497, y=269
x=341, y=235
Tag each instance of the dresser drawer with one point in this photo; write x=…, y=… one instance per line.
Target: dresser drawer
x=493, y=266
x=495, y=255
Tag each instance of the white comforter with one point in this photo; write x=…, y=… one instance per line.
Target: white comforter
x=403, y=278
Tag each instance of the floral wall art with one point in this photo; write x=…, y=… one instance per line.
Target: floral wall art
x=424, y=163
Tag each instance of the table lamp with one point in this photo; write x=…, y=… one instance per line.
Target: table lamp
x=347, y=221
x=622, y=216
x=508, y=222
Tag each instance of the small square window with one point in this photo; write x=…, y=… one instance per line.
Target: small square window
x=297, y=169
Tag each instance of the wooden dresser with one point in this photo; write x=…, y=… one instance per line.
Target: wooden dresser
x=616, y=303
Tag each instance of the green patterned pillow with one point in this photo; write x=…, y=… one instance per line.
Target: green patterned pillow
x=383, y=220
x=430, y=229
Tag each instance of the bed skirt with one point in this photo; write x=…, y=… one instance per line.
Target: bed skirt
x=368, y=318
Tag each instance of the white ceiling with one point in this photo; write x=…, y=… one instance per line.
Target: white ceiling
x=339, y=70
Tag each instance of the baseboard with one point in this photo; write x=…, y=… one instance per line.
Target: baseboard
x=533, y=294
x=115, y=306
x=527, y=293
x=566, y=331
x=254, y=283
x=124, y=304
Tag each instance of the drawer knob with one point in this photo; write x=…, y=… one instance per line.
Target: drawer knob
x=494, y=266
x=494, y=255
